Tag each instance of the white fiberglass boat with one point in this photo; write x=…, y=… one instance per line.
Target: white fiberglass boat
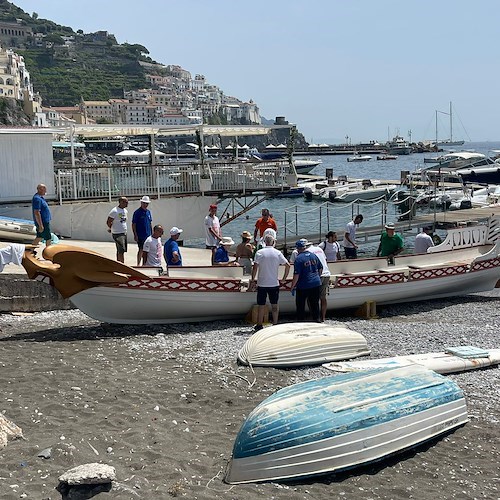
x=467, y=261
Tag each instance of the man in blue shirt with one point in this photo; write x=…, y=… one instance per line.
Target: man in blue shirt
x=41, y=216
x=171, y=250
x=306, y=282
x=142, y=225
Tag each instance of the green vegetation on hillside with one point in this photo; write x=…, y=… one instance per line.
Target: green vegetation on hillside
x=93, y=67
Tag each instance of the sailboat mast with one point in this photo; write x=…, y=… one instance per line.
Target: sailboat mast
x=451, y=125
x=437, y=149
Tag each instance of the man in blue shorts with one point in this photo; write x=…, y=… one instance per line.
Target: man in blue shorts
x=306, y=282
x=41, y=216
x=267, y=262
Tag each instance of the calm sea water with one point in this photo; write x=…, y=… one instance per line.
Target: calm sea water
x=296, y=217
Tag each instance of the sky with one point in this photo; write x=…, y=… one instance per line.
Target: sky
x=341, y=70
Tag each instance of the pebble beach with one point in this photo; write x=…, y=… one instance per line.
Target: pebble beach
x=163, y=404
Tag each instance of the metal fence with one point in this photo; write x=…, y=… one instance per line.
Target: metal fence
x=94, y=181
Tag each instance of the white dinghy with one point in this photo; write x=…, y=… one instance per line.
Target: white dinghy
x=299, y=344
x=454, y=359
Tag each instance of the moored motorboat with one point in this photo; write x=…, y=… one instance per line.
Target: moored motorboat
x=387, y=157
x=304, y=166
x=337, y=423
x=299, y=344
x=467, y=261
x=358, y=157
x=20, y=230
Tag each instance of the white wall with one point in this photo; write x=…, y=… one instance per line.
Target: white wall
x=25, y=161
x=87, y=221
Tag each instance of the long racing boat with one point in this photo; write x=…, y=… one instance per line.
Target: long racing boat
x=467, y=261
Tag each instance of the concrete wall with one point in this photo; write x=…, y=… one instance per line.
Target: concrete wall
x=87, y=221
x=20, y=294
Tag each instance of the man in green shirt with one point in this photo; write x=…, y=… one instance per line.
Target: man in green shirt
x=391, y=243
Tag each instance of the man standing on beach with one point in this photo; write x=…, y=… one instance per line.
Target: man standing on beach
x=171, y=250
x=266, y=267
x=306, y=282
x=423, y=240
x=212, y=230
x=325, y=279
x=152, y=248
x=263, y=223
x=391, y=243
x=141, y=225
x=350, y=246
x=117, y=226
x=41, y=216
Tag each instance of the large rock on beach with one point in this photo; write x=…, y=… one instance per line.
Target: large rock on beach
x=8, y=431
x=93, y=473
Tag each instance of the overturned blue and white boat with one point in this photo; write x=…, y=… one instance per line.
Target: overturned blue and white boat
x=337, y=423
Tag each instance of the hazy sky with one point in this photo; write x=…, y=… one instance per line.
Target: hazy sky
x=356, y=68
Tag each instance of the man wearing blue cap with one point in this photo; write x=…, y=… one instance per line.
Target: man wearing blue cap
x=306, y=282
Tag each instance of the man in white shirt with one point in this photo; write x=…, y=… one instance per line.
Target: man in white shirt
x=212, y=230
x=117, y=226
x=152, y=248
x=350, y=246
x=423, y=240
x=325, y=279
x=266, y=266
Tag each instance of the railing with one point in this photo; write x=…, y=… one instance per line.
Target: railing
x=92, y=181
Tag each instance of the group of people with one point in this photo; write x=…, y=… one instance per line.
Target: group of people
x=148, y=237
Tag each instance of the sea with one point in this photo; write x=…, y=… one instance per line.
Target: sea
x=297, y=217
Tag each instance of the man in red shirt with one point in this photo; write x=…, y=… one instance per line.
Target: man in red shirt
x=265, y=222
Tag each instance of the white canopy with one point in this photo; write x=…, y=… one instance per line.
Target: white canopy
x=271, y=146
x=128, y=152
x=312, y=146
x=127, y=130
x=148, y=152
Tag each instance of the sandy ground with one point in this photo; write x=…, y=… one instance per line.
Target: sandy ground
x=163, y=404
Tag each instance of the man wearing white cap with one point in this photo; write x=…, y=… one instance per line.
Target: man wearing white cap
x=152, y=249
x=171, y=250
x=142, y=225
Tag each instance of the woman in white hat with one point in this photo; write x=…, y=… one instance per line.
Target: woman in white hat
x=221, y=257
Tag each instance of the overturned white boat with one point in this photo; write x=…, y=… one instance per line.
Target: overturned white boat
x=454, y=359
x=299, y=344
x=337, y=423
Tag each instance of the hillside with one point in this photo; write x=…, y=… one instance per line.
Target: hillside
x=93, y=67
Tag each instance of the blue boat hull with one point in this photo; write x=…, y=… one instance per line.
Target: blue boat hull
x=337, y=423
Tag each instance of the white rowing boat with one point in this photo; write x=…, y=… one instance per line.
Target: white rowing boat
x=467, y=261
x=299, y=344
x=455, y=359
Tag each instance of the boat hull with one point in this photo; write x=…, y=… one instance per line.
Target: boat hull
x=299, y=344
x=440, y=362
x=337, y=423
x=147, y=304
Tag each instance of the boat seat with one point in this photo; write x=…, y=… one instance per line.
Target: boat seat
x=438, y=265
x=394, y=269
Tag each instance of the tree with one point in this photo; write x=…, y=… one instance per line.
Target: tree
x=34, y=15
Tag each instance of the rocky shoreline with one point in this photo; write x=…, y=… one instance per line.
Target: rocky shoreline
x=162, y=405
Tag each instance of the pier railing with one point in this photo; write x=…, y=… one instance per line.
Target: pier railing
x=97, y=181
